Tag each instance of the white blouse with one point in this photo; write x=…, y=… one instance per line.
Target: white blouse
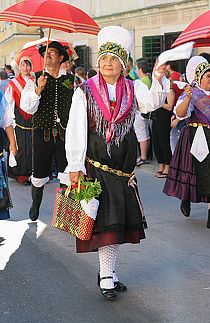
x=7, y=119
x=77, y=127
x=190, y=107
x=153, y=98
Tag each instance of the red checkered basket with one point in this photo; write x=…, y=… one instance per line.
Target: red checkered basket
x=69, y=215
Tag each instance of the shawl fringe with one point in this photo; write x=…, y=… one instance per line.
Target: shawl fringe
x=121, y=129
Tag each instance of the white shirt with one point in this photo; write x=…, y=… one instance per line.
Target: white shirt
x=153, y=98
x=29, y=101
x=76, y=131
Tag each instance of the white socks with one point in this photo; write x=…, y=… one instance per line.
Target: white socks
x=107, y=260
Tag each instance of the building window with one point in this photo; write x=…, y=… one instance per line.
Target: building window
x=154, y=45
x=84, y=56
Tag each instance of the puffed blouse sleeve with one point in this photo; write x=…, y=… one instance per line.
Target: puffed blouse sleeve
x=76, y=133
x=153, y=98
x=7, y=119
x=189, y=110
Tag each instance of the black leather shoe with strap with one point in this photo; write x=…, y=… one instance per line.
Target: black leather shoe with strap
x=118, y=286
x=108, y=293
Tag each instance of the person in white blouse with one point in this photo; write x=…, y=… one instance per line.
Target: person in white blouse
x=101, y=143
x=23, y=120
x=189, y=173
x=7, y=123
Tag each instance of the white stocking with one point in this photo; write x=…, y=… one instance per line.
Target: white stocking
x=107, y=259
x=115, y=278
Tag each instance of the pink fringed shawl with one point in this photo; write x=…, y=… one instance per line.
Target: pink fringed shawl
x=124, y=102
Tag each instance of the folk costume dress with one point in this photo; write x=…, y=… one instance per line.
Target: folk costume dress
x=23, y=130
x=189, y=173
x=6, y=120
x=100, y=131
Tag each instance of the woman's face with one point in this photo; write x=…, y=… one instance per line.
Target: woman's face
x=205, y=81
x=110, y=66
x=25, y=69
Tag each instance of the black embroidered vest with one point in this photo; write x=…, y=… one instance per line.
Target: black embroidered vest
x=55, y=103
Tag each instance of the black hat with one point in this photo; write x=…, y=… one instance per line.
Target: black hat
x=56, y=45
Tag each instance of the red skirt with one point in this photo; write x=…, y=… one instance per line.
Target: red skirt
x=109, y=238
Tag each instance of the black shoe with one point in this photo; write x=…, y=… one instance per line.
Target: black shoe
x=27, y=183
x=185, y=208
x=36, y=193
x=118, y=286
x=208, y=221
x=108, y=293
x=33, y=212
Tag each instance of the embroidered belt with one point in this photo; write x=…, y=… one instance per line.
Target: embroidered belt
x=195, y=125
x=22, y=127
x=108, y=169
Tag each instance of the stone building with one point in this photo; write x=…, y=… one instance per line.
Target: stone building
x=155, y=24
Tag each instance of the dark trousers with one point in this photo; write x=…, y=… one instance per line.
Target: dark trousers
x=161, y=128
x=45, y=152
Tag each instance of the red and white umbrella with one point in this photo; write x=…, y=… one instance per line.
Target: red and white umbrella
x=30, y=49
x=198, y=31
x=50, y=14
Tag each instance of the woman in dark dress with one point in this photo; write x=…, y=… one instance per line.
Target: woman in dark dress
x=161, y=127
x=189, y=173
x=101, y=142
x=6, y=123
x=23, y=129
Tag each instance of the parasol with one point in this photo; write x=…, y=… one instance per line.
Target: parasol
x=30, y=49
x=198, y=31
x=50, y=14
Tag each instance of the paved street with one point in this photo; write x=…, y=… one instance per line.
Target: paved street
x=43, y=280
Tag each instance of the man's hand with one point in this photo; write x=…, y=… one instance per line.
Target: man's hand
x=41, y=83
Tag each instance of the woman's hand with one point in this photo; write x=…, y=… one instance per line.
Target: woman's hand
x=12, y=140
x=188, y=91
x=13, y=149
x=74, y=177
x=159, y=72
x=174, y=122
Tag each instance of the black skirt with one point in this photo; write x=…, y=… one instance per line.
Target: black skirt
x=119, y=217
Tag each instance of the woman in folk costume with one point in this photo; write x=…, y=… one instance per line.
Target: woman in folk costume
x=189, y=173
x=101, y=142
x=7, y=123
x=23, y=129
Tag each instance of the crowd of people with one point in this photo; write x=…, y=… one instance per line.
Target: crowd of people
x=72, y=119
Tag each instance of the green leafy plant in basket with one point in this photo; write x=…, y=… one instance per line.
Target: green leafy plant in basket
x=88, y=189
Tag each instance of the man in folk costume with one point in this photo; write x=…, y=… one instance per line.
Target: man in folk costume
x=101, y=142
x=23, y=128
x=189, y=172
x=48, y=100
